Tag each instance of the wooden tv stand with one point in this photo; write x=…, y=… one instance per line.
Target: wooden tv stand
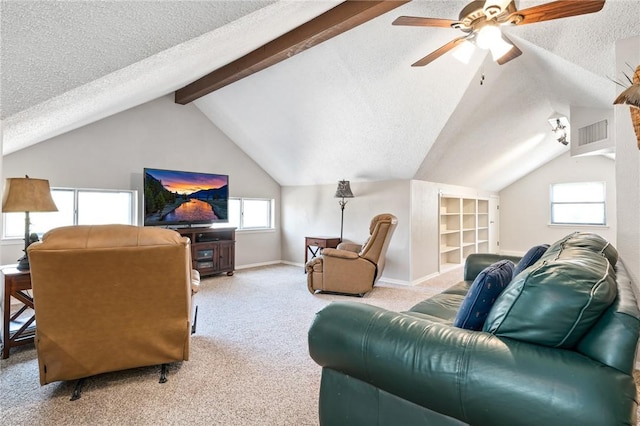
x=212, y=249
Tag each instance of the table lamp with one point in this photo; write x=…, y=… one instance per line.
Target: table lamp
x=343, y=191
x=27, y=195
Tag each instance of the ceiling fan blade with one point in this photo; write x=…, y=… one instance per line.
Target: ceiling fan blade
x=555, y=10
x=438, y=52
x=416, y=21
x=511, y=54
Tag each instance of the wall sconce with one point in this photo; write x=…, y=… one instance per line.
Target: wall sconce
x=560, y=126
x=343, y=191
x=27, y=195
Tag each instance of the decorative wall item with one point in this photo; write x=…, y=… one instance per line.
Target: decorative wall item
x=631, y=96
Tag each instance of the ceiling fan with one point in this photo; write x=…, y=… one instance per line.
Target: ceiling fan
x=481, y=21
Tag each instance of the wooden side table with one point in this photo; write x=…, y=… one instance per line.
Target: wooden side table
x=319, y=243
x=18, y=328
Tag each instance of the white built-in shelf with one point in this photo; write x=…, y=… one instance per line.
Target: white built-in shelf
x=446, y=249
x=463, y=229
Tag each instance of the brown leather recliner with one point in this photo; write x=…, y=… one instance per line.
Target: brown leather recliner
x=353, y=268
x=109, y=298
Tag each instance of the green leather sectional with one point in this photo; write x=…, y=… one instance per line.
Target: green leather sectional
x=557, y=348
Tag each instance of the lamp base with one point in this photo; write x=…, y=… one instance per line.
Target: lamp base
x=23, y=263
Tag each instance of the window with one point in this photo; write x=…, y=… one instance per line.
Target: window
x=250, y=213
x=77, y=207
x=581, y=203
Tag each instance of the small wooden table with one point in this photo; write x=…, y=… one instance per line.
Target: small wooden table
x=319, y=243
x=18, y=328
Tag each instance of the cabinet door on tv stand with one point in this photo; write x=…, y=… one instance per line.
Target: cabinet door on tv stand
x=226, y=257
x=206, y=258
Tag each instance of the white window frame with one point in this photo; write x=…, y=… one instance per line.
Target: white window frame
x=133, y=214
x=240, y=220
x=602, y=202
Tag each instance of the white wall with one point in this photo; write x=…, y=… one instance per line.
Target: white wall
x=425, y=230
x=413, y=253
x=524, y=205
x=582, y=117
x=628, y=167
x=313, y=211
x=425, y=224
x=111, y=154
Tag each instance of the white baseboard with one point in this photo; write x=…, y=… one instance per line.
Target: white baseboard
x=392, y=281
x=255, y=265
x=409, y=283
x=425, y=278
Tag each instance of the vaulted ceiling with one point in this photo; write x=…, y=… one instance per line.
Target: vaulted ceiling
x=351, y=107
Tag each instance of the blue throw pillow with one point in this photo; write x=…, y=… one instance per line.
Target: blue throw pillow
x=482, y=294
x=530, y=258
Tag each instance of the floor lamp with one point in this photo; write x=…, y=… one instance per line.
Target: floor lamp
x=343, y=191
x=27, y=195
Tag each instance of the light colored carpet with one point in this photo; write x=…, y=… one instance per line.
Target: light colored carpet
x=249, y=362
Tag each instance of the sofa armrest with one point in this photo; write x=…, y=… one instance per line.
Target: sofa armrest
x=473, y=376
x=476, y=262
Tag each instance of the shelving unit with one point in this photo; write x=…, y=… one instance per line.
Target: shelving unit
x=464, y=229
x=212, y=249
x=449, y=231
x=483, y=226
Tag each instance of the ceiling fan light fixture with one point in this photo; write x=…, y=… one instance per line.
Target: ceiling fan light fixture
x=500, y=48
x=488, y=36
x=495, y=7
x=480, y=21
x=464, y=52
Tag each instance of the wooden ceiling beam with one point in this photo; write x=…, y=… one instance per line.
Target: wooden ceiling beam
x=335, y=21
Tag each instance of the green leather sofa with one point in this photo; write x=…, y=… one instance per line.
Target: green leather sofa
x=415, y=368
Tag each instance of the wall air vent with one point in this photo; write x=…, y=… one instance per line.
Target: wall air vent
x=592, y=133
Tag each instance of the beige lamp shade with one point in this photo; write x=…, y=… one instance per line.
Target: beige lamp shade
x=27, y=195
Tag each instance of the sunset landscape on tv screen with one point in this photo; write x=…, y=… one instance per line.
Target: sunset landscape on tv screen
x=173, y=197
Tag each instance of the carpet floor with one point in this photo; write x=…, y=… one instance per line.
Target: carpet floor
x=249, y=362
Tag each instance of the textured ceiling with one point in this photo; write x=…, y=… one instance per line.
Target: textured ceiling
x=50, y=47
x=351, y=107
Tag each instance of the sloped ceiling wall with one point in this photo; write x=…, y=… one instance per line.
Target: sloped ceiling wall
x=353, y=107
x=349, y=108
x=499, y=131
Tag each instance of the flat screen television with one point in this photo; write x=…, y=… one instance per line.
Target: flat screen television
x=179, y=198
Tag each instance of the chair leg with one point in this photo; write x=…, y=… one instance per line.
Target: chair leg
x=77, y=390
x=163, y=373
x=195, y=321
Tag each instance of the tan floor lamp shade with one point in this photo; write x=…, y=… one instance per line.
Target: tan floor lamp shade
x=27, y=195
